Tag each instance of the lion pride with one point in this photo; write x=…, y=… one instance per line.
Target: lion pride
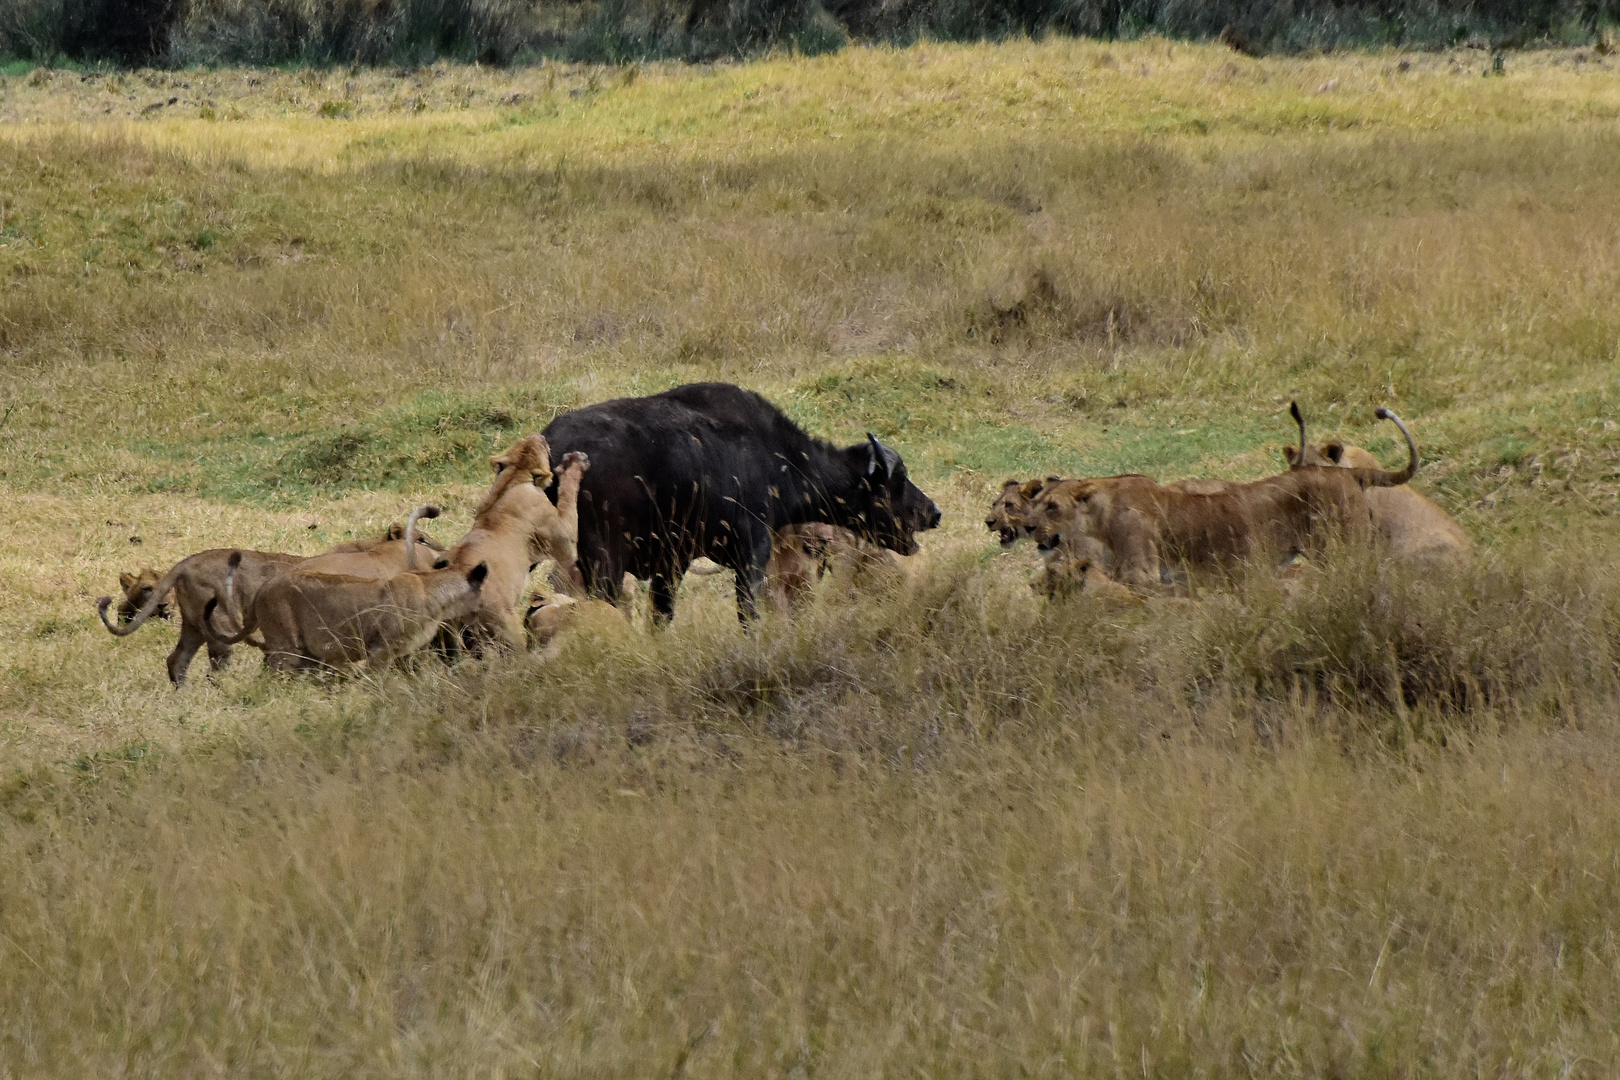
x=1143, y=527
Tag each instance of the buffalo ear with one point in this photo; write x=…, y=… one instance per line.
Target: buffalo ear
x=880, y=454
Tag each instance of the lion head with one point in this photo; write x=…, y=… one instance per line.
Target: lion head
x=1007, y=514
x=137, y=591
x=1333, y=454
x=1065, y=511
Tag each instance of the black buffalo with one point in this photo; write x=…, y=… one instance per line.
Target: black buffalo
x=712, y=469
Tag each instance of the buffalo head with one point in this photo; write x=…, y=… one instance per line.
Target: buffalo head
x=894, y=509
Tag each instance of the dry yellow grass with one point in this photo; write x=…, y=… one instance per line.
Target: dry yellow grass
x=1367, y=829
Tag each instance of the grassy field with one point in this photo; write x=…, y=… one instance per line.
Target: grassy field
x=930, y=828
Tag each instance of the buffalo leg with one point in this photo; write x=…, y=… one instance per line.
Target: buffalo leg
x=602, y=575
x=663, y=597
x=751, y=574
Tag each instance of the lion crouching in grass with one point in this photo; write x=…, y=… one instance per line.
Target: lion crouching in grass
x=1411, y=525
x=196, y=583
x=1144, y=528
x=549, y=616
x=801, y=555
x=313, y=621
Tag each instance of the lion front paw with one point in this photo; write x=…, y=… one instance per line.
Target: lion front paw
x=576, y=457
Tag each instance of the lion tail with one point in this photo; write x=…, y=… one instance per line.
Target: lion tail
x=428, y=511
x=1382, y=477
x=1299, y=418
x=232, y=610
x=153, y=602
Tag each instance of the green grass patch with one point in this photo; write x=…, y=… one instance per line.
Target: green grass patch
x=435, y=438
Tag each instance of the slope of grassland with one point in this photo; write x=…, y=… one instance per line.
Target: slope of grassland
x=930, y=826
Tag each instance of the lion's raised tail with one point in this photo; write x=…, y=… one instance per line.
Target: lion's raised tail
x=1382, y=477
x=1299, y=418
x=428, y=511
x=233, y=611
x=153, y=602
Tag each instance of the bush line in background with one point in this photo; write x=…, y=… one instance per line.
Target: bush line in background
x=186, y=32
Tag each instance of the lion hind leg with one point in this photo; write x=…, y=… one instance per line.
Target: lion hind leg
x=219, y=656
x=191, y=639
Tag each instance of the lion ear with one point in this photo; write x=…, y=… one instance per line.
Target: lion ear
x=1291, y=455
x=498, y=462
x=126, y=580
x=1335, y=452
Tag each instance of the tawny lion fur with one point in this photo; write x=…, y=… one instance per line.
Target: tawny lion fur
x=548, y=617
x=313, y=621
x=513, y=529
x=196, y=583
x=1144, y=527
x=1411, y=525
x=1008, y=511
x=379, y=560
x=1065, y=566
x=803, y=554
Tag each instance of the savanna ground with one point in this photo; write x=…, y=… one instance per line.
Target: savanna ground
x=1368, y=829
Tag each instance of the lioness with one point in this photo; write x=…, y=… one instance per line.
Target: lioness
x=513, y=529
x=1141, y=525
x=1063, y=566
x=313, y=621
x=196, y=583
x=1071, y=575
x=138, y=589
x=802, y=554
x=1008, y=511
x=548, y=617
x=1411, y=526
x=379, y=559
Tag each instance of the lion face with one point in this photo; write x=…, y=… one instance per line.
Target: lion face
x=137, y=591
x=1008, y=514
x=1067, y=519
x=530, y=454
x=1060, y=511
